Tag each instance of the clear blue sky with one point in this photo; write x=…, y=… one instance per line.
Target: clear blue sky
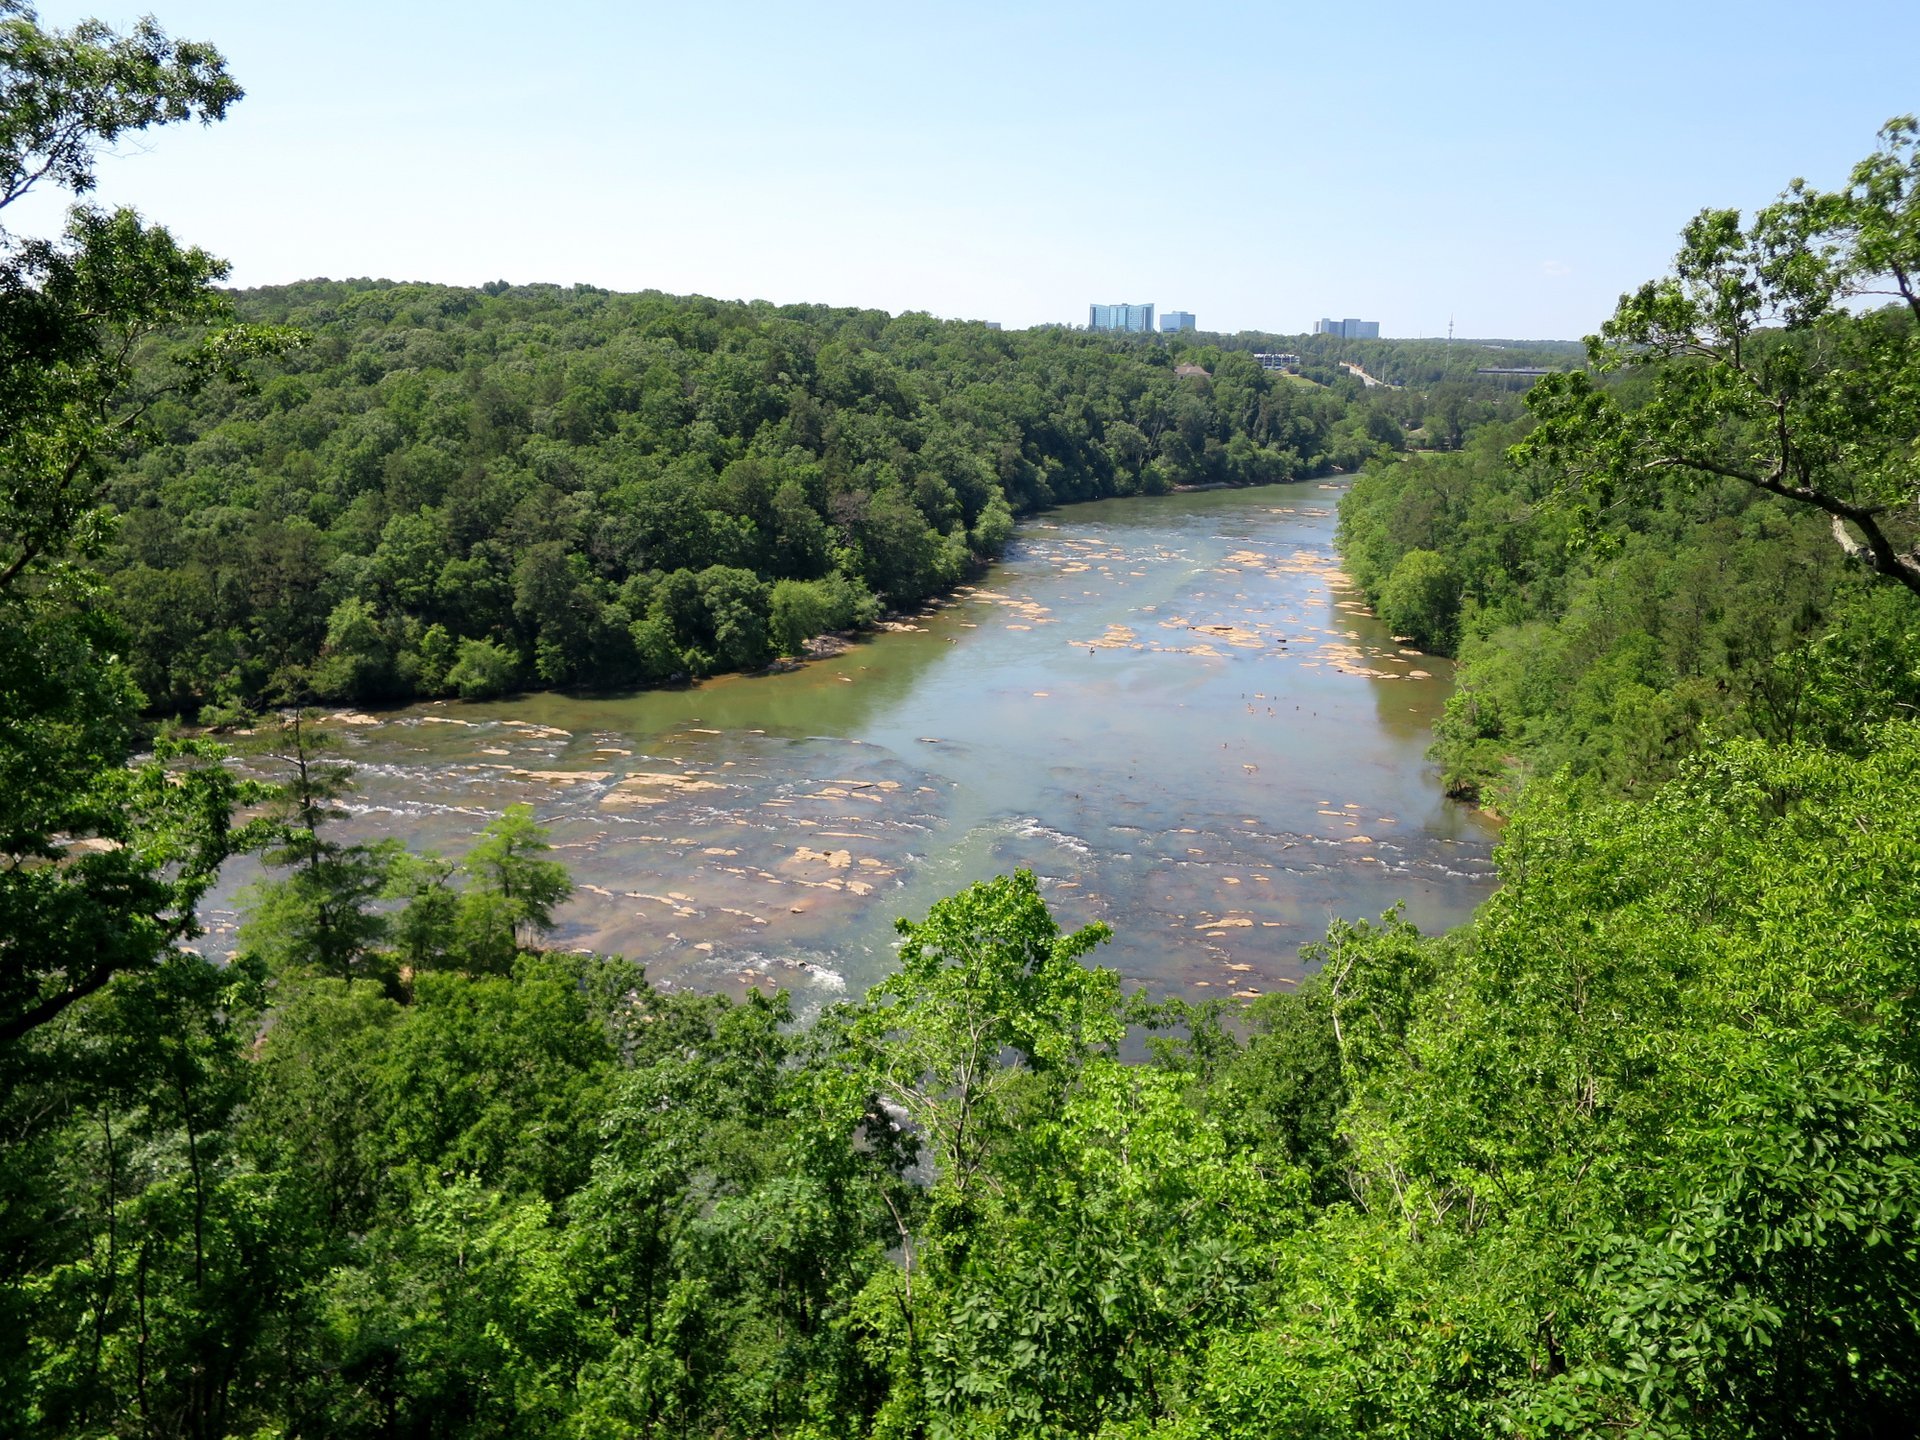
x=1515, y=166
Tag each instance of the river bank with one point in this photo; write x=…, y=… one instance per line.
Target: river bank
x=1169, y=708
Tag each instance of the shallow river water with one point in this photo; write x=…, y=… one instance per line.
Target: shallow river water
x=1170, y=709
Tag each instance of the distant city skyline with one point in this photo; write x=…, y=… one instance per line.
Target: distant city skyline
x=1515, y=169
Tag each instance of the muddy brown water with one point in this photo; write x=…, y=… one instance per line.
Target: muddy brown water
x=1172, y=710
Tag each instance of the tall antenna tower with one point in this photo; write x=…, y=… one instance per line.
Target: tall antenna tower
x=1449, y=332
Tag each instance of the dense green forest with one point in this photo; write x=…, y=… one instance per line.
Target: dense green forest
x=1610, y=621
x=436, y=490
x=1615, y=645
x=444, y=490
x=1635, y=1152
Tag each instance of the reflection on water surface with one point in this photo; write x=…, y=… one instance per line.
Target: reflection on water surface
x=1170, y=709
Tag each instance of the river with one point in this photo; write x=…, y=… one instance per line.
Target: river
x=1170, y=709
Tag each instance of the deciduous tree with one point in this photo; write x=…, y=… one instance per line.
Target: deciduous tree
x=1761, y=360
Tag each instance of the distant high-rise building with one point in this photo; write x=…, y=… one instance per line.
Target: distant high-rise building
x=1176, y=320
x=1348, y=329
x=1120, y=317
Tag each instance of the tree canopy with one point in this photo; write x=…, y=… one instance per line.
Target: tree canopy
x=100, y=865
x=1765, y=360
